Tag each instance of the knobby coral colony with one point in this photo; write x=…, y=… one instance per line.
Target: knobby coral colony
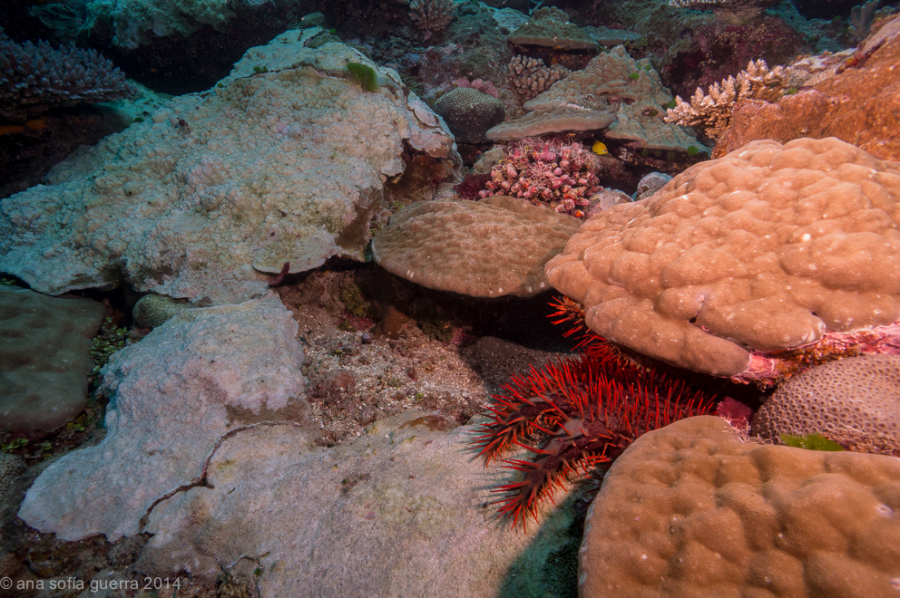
x=583, y=412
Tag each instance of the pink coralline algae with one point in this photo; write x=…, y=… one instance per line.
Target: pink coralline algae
x=561, y=175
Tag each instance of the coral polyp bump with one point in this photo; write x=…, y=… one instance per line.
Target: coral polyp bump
x=576, y=414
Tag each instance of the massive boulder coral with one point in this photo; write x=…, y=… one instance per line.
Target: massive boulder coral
x=275, y=165
x=691, y=510
x=470, y=113
x=854, y=402
x=487, y=248
x=771, y=248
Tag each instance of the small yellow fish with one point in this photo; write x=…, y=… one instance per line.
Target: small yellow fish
x=599, y=148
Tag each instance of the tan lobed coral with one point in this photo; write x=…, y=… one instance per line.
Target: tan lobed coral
x=711, y=111
x=854, y=401
x=691, y=510
x=770, y=248
x=487, y=248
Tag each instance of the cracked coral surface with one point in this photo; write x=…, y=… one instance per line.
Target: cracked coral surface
x=766, y=249
x=691, y=510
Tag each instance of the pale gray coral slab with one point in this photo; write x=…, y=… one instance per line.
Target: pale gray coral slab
x=172, y=397
x=400, y=511
x=215, y=189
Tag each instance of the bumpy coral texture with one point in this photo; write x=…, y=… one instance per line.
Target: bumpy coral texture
x=770, y=248
x=854, y=401
x=530, y=76
x=470, y=113
x=691, y=510
x=560, y=175
x=711, y=111
x=37, y=77
x=479, y=248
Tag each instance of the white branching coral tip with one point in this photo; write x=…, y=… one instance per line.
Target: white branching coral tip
x=711, y=111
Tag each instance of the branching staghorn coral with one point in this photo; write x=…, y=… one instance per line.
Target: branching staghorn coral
x=711, y=112
x=36, y=77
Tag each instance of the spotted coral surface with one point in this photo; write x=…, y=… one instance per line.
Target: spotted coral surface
x=487, y=248
x=854, y=401
x=772, y=247
x=692, y=510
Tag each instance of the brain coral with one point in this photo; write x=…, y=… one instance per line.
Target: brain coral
x=769, y=248
x=691, y=510
x=469, y=113
x=854, y=401
x=487, y=248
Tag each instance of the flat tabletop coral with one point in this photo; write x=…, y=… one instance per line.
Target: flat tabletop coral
x=770, y=248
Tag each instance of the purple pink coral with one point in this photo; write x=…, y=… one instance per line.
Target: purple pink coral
x=561, y=175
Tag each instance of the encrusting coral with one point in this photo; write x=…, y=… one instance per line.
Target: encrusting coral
x=554, y=173
x=576, y=414
x=711, y=111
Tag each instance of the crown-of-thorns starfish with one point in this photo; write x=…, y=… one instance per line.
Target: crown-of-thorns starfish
x=576, y=414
